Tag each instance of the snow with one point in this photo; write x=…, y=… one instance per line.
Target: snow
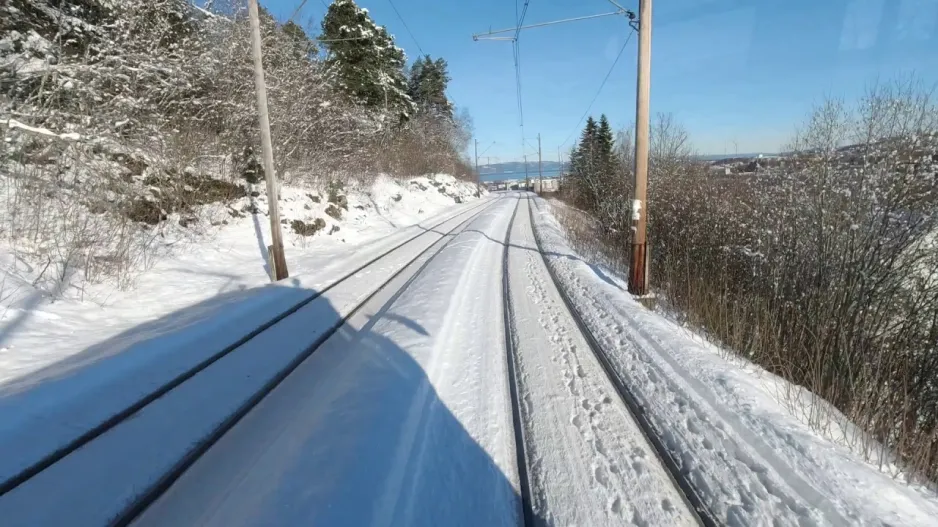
x=401, y=418
x=37, y=330
x=402, y=415
x=96, y=483
x=751, y=459
x=590, y=464
x=67, y=365
x=69, y=136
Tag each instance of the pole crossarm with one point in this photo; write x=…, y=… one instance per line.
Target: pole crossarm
x=489, y=35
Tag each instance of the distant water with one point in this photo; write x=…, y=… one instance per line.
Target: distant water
x=717, y=157
x=506, y=176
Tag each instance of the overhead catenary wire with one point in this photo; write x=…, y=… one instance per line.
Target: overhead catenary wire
x=414, y=38
x=399, y=17
x=488, y=148
x=516, y=49
x=296, y=12
x=516, y=45
x=488, y=35
x=396, y=12
x=601, y=85
x=524, y=13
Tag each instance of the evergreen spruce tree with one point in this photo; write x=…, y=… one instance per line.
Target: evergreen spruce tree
x=585, y=165
x=415, y=81
x=427, y=86
x=304, y=45
x=583, y=159
x=606, y=155
x=369, y=66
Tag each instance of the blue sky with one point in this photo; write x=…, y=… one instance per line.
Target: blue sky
x=738, y=74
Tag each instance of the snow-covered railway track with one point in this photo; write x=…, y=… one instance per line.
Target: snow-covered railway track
x=109, y=473
x=584, y=457
x=400, y=418
x=692, y=500
x=527, y=511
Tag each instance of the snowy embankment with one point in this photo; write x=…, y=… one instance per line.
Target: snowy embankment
x=38, y=330
x=66, y=394
x=751, y=459
x=99, y=481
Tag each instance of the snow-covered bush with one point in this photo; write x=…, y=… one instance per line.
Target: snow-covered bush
x=122, y=114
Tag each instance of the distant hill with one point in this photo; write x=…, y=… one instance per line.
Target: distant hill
x=720, y=157
x=517, y=167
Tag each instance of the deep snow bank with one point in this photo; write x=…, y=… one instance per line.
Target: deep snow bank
x=224, y=252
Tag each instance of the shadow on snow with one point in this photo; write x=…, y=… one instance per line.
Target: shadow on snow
x=357, y=434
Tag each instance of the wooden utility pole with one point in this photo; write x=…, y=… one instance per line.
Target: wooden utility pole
x=638, y=270
x=560, y=160
x=279, y=260
x=540, y=173
x=527, y=180
x=476, y=153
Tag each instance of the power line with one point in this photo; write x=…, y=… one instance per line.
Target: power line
x=489, y=35
x=516, y=44
x=516, y=55
x=341, y=39
x=606, y=78
x=524, y=13
x=296, y=12
x=399, y=17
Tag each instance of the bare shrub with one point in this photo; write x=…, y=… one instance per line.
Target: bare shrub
x=146, y=109
x=823, y=268
x=426, y=145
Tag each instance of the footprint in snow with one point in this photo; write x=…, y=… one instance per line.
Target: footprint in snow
x=599, y=473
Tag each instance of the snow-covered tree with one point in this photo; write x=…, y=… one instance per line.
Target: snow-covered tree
x=126, y=113
x=427, y=86
x=369, y=66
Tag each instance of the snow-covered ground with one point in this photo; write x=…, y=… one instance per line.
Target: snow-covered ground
x=37, y=330
x=752, y=460
x=96, y=483
x=401, y=418
x=589, y=463
x=70, y=392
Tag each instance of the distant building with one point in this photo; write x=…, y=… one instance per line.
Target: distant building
x=546, y=185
